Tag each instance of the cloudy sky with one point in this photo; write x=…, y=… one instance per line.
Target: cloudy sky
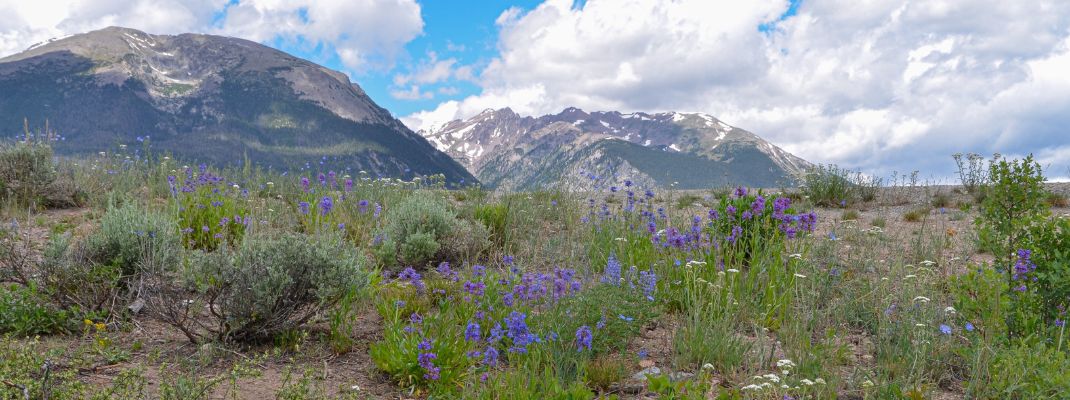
x=877, y=85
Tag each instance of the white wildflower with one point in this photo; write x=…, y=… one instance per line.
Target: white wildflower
x=798, y=275
x=922, y=299
x=807, y=382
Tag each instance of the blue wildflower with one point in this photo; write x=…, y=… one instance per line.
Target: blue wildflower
x=612, y=271
x=471, y=332
x=583, y=338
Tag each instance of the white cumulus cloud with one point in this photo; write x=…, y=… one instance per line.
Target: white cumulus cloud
x=879, y=85
x=363, y=34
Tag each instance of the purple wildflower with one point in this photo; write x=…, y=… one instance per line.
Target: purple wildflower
x=426, y=358
x=490, y=357
x=583, y=338
x=741, y=191
x=413, y=277
x=326, y=204
x=612, y=271
x=649, y=282
x=474, y=288
x=471, y=332
x=517, y=331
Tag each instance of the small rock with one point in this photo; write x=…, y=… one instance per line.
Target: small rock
x=641, y=375
x=136, y=306
x=629, y=387
x=646, y=363
x=680, y=376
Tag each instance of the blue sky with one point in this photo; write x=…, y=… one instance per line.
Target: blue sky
x=452, y=29
x=877, y=85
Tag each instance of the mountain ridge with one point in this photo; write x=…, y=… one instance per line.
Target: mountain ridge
x=493, y=143
x=208, y=97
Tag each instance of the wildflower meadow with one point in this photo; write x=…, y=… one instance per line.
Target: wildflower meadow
x=131, y=275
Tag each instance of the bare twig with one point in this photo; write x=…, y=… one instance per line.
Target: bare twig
x=25, y=390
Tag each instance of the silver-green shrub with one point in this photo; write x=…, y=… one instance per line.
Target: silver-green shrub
x=424, y=228
x=105, y=269
x=268, y=284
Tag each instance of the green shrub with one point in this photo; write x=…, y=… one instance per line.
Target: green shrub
x=1015, y=201
x=1028, y=372
x=916, y=214
x=26, y=171
x=941, y=200
x=496, y=218
x=829, y=185
x=973, y=174
x=25, y=312
x=605, y=370
x=1057, y=200
x=687, y=200
x=850, y=215
x=268, y=284
x=418, y=247
x=423, y=228
x=708, y=337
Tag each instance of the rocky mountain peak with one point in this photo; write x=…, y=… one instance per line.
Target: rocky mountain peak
x=488, y=143
x=101, y=86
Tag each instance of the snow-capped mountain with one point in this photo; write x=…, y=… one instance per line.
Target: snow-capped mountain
x=568, y=149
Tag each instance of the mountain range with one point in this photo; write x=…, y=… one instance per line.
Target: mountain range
x=207, y=98
x=576, y=150
x=222, y=100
